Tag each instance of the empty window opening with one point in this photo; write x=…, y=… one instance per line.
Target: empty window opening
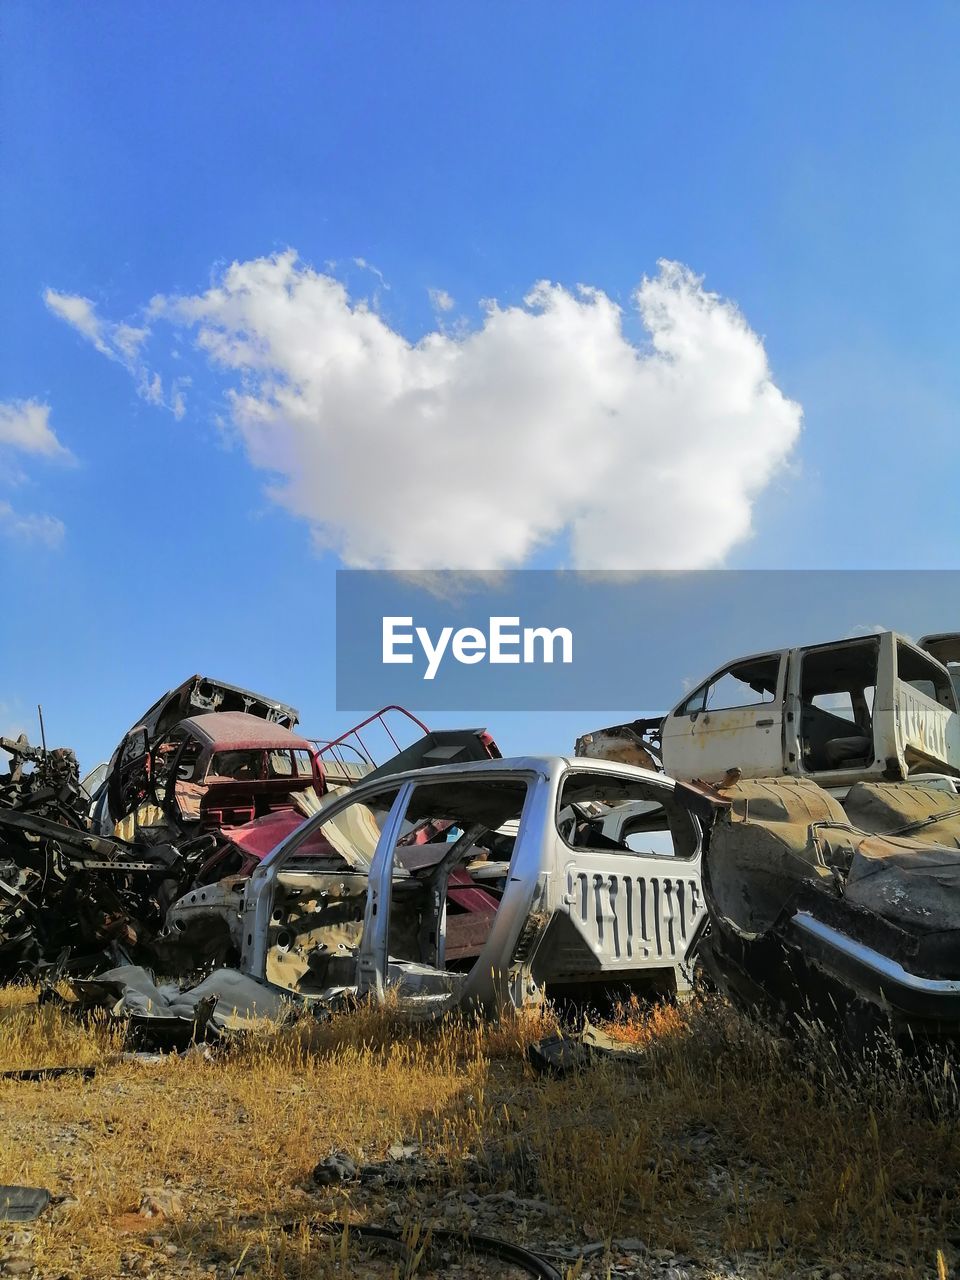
x=752, y=683
x=837, y=685
x=924, y=675
x=624, y=815
x=450, y=869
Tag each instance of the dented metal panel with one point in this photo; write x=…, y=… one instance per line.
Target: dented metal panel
x=630, y=913
x=927, y=729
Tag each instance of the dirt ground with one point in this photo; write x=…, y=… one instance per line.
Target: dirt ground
x=718, y=1151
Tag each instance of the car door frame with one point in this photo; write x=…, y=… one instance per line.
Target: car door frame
x=632, y=865
x=497, y=977
x=259, y=894
x=691, y=757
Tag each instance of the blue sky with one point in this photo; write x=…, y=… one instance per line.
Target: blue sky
x=801, y=158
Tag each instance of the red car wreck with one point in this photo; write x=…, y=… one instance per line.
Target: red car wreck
x=224, y=770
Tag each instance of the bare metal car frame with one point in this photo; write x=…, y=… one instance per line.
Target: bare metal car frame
x=569, y=916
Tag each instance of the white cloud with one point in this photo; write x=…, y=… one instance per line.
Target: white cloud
x=25, y=429
x=866, y=629
x=364, y=265
x=25, y=426
x=121, y=342
x=80, y=313
x=474, y=449
x=441, y=299
x=46, y=530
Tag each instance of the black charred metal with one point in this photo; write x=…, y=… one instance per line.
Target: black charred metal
x=72, y=900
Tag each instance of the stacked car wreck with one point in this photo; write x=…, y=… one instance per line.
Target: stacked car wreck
x=826, y=779
x=207, y=781
x=804, y=802
x=481, y=885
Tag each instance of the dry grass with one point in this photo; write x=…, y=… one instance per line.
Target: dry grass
x=719, y=1143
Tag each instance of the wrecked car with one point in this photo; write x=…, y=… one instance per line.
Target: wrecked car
x=128, y=778
x=219, y=770
x=591, y=875
x=593, y=871
x=875, y=707
x=838, y=914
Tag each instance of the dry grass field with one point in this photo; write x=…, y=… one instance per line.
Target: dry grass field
x=722, y=1149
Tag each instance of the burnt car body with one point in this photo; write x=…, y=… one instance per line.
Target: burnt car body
x=842, y=915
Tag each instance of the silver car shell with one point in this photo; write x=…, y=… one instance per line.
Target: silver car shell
x=537, y=886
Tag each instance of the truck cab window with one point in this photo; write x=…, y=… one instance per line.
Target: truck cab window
x=746, y=684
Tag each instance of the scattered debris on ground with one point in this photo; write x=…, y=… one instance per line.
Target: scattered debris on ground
x=713, y=1151
x=22, y=1204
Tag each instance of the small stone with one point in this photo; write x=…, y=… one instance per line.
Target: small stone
x=403, y=1150
x=170, y=1250
x=162, y=1202
x=17, y=1267
x=338, y=1167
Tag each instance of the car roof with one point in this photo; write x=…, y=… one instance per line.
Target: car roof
x=232, y=730
x=550, y=766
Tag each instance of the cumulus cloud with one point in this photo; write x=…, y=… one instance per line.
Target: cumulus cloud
x=25, y=426
x=120, y=342
x=545, y=424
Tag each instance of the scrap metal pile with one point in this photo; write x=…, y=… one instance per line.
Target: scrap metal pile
x=793, y=824
x=66, y=893
x=202, y=787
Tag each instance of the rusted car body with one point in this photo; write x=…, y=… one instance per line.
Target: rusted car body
x=594, y=869
x=872, y=708
x=222, y=770
x=838, y=914
x=128, y=779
